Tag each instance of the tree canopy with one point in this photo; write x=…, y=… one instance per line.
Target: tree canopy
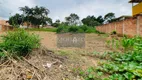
x=96, y=21
x=110, y=17
x=56, y=23
x=39, y=16
x=36, y=15
x=92, y=21
x=72, y=19
x=16, y=20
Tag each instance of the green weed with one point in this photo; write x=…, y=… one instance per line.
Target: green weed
x=19, y=42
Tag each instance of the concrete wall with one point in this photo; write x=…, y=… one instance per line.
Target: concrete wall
x=130, y=27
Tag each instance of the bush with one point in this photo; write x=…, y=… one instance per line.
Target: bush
x=62, y=29
x=84, y=28
x=113, y=32
x=19, y=43
x=76, y=29
x=43, y=29
x=73, y=29
x=80, y=30
x=91, y=30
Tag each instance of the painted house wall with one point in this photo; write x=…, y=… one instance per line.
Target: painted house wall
x=137, y=9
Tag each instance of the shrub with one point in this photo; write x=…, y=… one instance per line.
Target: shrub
x=43, y=29
x=84, y=28
x=76, y=29
x=62, y=29
x=80, y=30
x=113, y=32
x=91, y=30
x=19, y=43
x=73, y=29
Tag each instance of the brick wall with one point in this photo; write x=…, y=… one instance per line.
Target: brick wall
x=130, y=27
x=4, y=26
x=140, y=25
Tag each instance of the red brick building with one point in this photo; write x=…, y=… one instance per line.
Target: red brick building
x=4, y=26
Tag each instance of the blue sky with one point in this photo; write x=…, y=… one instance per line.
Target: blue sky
x=62, y=8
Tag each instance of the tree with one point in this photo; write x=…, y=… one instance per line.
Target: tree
x=16, y=20
x=110, y=17
x=92, y=21
x=100, y=19
x=73, y=19
x=49, y=21
x=36, y=15
x=56, y=23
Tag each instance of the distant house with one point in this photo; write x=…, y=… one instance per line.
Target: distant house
x=29, y=25
x=48, y=26
x=4, y=26
x=136, y=7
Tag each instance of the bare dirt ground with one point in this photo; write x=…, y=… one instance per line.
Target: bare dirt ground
x=53, y=63
x=93, y=42
x=77, y=57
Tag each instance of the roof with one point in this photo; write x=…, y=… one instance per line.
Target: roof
x=135, y=1
x=124, y=17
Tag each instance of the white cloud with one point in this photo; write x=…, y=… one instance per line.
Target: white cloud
x=8, y=7
x=62, y=8
x=96, y=8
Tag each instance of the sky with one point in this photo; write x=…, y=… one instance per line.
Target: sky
x=59, y=9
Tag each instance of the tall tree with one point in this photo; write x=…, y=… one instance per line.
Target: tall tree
x=100, y=19
x=36, y=15
x=73, y=19
x=56, y=23
x=48, y=21
x=110, y=17
x=91, y=21
x=16, y=20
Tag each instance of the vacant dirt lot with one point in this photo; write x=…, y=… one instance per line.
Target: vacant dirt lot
x=53, y=63
x=93, y=42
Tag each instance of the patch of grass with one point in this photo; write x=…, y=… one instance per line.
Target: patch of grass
x=91, y=30
x=43, y=29
x=62, y=52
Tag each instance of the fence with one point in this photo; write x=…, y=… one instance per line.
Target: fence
x=130, y=27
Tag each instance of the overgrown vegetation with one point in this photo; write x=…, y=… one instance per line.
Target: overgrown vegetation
x=18, y=43
x=119, y=66
x=76, y=29
x=43, y=29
